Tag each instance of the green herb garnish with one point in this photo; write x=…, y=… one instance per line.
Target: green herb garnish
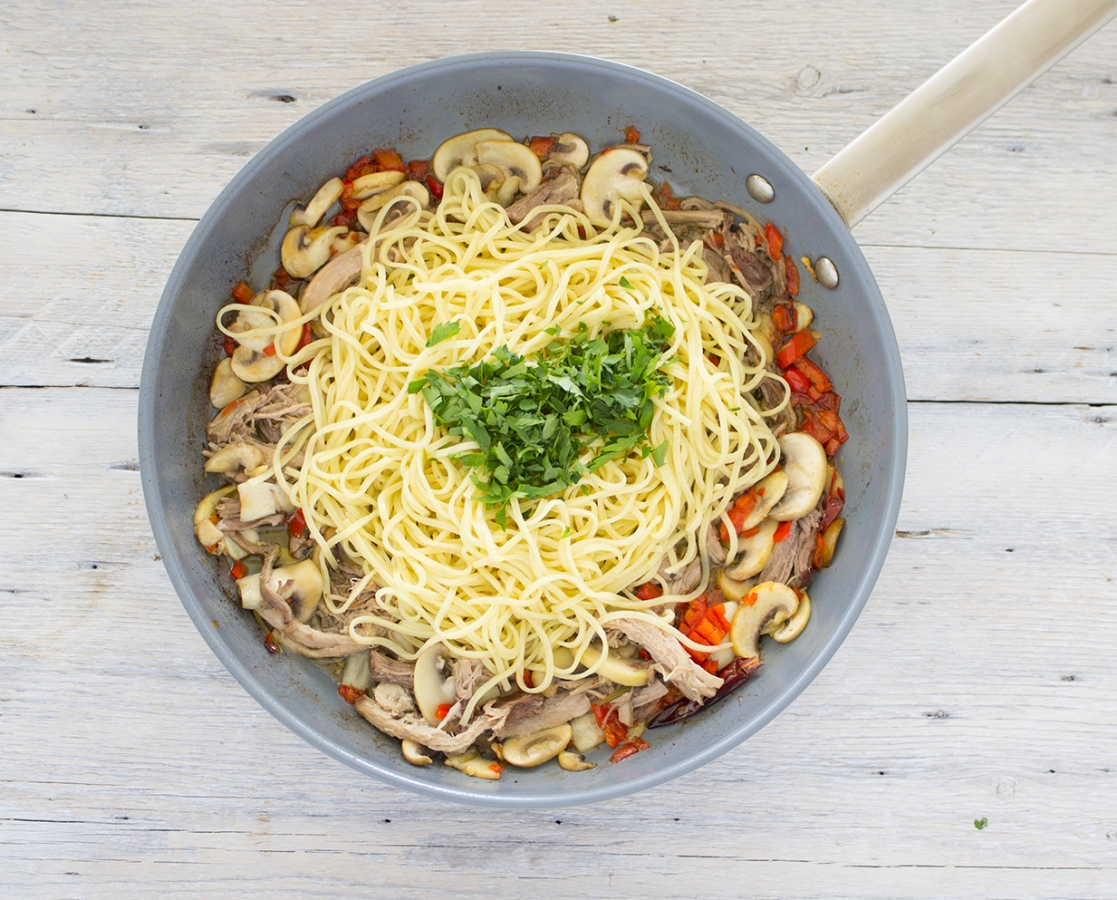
x=441, y=332
x=979, y=824
x=533, y=419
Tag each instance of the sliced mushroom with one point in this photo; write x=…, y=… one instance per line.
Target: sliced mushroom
x=232, y=457
x=586, y=733
x=794, y=626
x=764, y=607
x=753, y=552
x=734, y=590
x=332, y=278
x=804, y=315
x=631, y=673
x=530, y=750
x=260, y=499
x=257, y=359
x=344, y=242
x=225, y=387
x=523, y=171
x=367, y=185
x=769, y=491
x=824, y=555
x=311, y=214
x=254, y=366
x=474, y=765
x=433, y=688
x=303, y=580
x=614, y=176
x=357, y=671
x=306, y=250
x=570, y=150
x=205, y=529
x=804, y=461
x=365, y=212
x=414, y=754
x=574, y=762
x=459, y=150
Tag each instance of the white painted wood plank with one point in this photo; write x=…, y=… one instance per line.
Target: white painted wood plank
x=169, y=119
x=131, y=757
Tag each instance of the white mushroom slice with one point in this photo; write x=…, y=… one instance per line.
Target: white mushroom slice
x=366, y=211
x=303, y=577
x=769, y=491
x=794, y=626
x=521, y=166
x=287, y=308
x=753, y=552
x=474, y=765
x=804, y=461
x=254, y=366
x=235, y=456
x=459, y=150
x=225, y=386
x=734, y=590
x=570, y=150
x=804, y=315
x=631, y=673
x=414, y=754
x=615, y=175
x=312, y=213
x=367, y=185
x=586, y=733
x=574, y=762
x=824, y=555
x=357, y=671
x=432, y=688
x=765, y=606
x=305, y=250
x=205, y=529
x=344, y=242
x=530, y=750
x=259, y=499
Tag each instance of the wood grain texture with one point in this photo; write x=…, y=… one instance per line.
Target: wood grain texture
x=977, y=683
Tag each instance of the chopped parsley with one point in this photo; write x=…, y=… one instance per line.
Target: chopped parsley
x=980, y=824
x=442, y=331
x=532, y=419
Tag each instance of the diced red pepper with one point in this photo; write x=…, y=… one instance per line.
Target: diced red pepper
x=541, y=145
x=782, y=531
x=631, y=135
x=783, y=317
x=296, y=525
x=496, y=767
x=668, y=200
x=648, y=591
x=434, y=186
x=388, y=160
x=242, y=293
x=794, y=347
x=362, y=166
x=307, y=336
x=791, y=286
x=814, y=373
x=230, y=346
x=528, y=680
x=798, y=381
x=833, y=508
x=269, y=642
x=610, y=723
x=280, y=277
x=750, y=598
x=418, y=169
x=269, y=350
x=239, y=570
x=349, y=694
x=442, y=711
x=775, y=241
x=629, y=748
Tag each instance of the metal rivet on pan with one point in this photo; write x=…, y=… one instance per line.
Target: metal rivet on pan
x=760, y=189
x=827, y=272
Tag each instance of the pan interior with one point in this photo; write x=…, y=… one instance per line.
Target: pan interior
x=701, y=149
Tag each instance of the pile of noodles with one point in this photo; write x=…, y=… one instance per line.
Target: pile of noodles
x=378, y=478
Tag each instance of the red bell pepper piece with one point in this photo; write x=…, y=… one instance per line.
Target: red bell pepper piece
x=434, y=186
x=775, y=240
x=296, y=525
x=794, y=347
x=782, y=531
x=628, y=749
x=631, y=135
x=239, y=570
x=648, y=591
x=242, y=293
x=541, y=145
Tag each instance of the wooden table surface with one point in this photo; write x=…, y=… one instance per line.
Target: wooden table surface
x=980, y=683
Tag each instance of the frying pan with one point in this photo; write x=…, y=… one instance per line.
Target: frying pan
x=702, y=149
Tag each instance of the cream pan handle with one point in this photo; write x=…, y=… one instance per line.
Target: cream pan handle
x=956, y=99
